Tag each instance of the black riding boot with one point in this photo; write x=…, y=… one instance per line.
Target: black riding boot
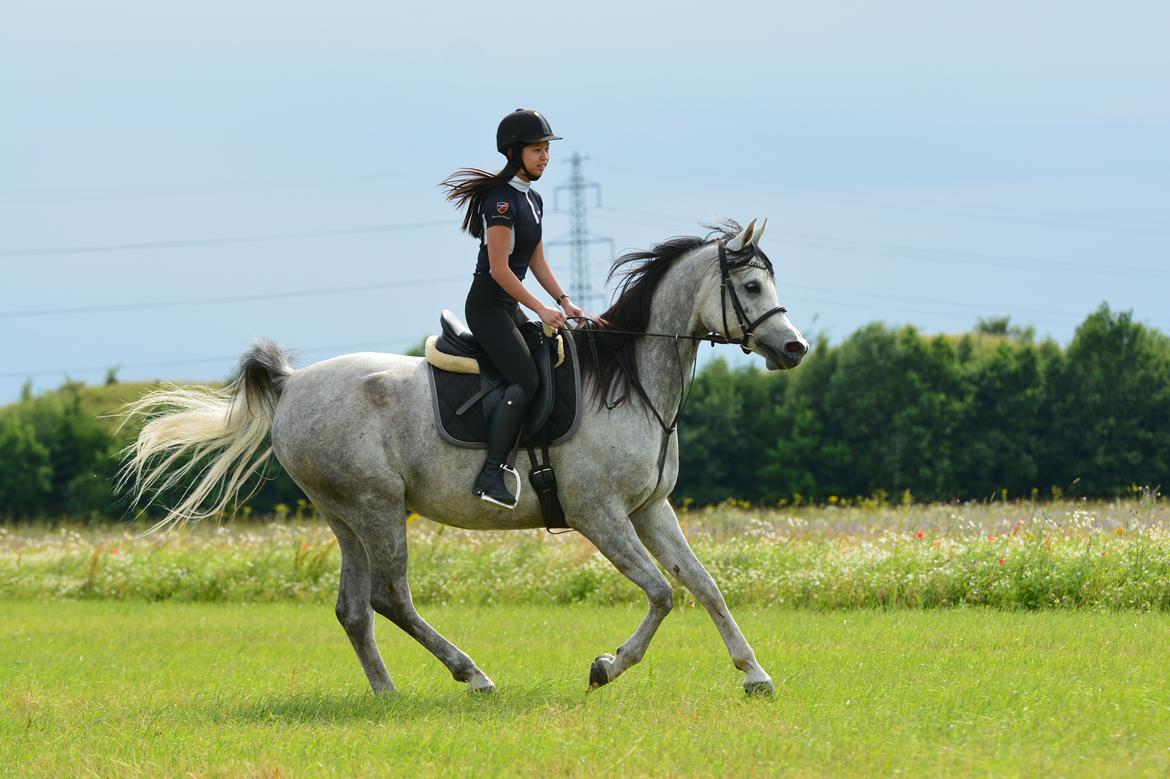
x=503, y=429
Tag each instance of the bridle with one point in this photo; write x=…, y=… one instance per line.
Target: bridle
x=727, y=263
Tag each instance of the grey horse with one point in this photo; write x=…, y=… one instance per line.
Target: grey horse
x=357, y=434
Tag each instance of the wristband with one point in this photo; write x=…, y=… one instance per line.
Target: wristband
x=562, y=297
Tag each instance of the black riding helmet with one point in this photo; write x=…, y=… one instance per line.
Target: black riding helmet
x=517, y=130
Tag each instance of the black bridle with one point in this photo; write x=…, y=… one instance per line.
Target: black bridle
x=727, y=263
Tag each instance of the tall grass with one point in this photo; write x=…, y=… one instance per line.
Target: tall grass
x=1008, y=556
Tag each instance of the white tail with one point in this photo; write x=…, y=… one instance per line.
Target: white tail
x=216, y=436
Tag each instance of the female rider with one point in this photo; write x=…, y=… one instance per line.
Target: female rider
x=504, y=212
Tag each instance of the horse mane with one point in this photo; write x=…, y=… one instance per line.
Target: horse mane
x=607, y=359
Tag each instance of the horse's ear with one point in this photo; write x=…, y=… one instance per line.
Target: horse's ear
x=758, y=234
x=738, y=242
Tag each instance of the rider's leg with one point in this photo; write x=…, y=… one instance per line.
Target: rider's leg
x=503, y=428
x=495, y=326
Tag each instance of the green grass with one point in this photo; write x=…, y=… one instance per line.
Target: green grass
x=1013, y=557
x=137, y=689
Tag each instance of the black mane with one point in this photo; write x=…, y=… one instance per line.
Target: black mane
x=607, y=358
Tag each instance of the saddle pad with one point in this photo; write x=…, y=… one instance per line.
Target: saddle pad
x=455, y=363
x=450, y=391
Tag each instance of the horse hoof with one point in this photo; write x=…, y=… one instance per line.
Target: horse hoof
x=481, y=684
x=762, y=689
x=599, y=671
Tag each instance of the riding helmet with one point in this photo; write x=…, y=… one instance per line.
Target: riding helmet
x=522, y=127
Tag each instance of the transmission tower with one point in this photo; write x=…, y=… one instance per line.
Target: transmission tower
x=580, y=287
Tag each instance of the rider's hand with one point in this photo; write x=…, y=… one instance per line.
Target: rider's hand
x=550, y=316
x=576, y=311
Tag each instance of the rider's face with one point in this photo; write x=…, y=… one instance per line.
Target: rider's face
x=535, y=159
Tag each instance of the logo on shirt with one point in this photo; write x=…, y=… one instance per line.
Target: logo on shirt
x=502, y=207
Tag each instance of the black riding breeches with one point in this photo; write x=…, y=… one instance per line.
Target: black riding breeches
x=494, y=317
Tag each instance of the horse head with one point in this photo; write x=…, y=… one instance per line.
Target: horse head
x=739, y=300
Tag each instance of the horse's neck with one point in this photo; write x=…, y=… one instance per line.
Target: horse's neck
x=665, y=364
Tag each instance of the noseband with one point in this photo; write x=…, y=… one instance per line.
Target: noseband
x=728, y=263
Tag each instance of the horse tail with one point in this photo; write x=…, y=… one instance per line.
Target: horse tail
x=207, y=442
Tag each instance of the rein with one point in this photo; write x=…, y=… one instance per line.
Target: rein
x=726, y=288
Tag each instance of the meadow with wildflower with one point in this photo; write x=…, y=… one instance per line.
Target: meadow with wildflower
x=1106, y=555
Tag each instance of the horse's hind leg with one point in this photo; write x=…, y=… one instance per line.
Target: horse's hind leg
x=353, y=606
x=383, y=534
x=658, y=528
x=615, y=538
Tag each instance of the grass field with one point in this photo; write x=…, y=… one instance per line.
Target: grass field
x=138, y=689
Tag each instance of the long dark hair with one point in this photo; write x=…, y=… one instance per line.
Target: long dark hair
x=607, y=357
x=467, y=186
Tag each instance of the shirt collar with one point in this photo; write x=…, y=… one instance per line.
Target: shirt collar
x=520, y=184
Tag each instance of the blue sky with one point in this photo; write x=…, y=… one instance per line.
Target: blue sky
x=919, y=162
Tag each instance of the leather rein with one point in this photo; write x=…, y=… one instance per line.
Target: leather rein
x=741, y=259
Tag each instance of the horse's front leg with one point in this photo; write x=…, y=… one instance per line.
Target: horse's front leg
x=614, y=536
x=658, y=528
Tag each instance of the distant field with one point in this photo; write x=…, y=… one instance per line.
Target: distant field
x=135, y=689
x=1010, y=556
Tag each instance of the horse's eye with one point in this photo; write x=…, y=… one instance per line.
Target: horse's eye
x=752, y=287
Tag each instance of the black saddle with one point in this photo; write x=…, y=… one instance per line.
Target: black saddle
x=456, y=339
x=464, y=401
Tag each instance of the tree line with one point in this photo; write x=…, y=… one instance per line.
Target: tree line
x=888, y=414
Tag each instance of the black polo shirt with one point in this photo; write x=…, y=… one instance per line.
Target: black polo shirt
x=517, y=206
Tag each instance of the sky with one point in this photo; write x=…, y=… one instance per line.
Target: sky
x=163, y=166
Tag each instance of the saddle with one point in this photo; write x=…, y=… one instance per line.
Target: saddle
x=466, y=387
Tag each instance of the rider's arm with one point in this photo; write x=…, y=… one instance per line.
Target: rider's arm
x=544, y=273
x=499, y=238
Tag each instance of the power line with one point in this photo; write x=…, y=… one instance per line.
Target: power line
x=939, y=310
x=301, y=293
x=909, y=252
x=194, y=360
x=986, y=308
x=331, y=291
x=800, y=239
x=1124, y=224
x=903, y=251
x=194, y=242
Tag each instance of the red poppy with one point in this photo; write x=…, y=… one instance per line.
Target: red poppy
x=1002, y=560
x=920, y=534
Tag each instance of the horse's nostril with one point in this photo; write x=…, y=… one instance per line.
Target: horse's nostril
x=795, y=347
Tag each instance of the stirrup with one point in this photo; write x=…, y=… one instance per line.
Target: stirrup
x=516, y=475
